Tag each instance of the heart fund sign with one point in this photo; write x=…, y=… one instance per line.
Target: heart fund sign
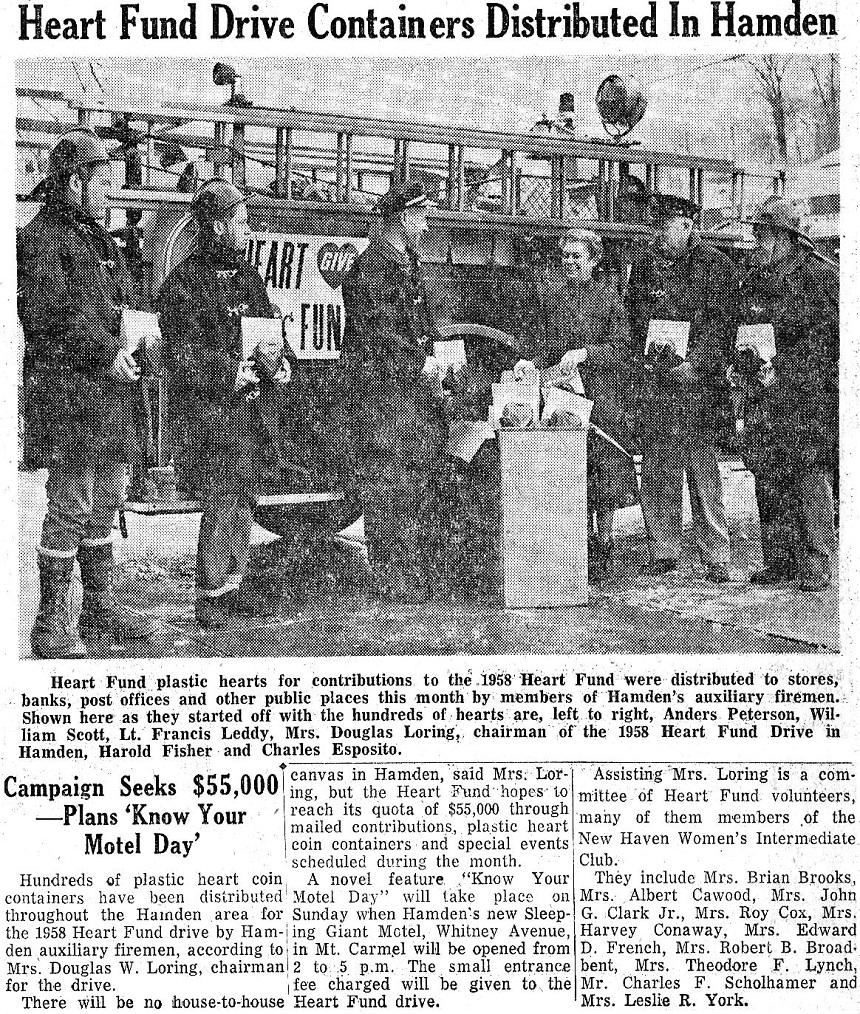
x=303, y=275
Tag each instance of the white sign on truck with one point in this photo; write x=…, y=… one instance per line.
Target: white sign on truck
x=304, y=275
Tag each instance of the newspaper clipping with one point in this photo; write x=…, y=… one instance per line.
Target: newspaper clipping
x=426, y=526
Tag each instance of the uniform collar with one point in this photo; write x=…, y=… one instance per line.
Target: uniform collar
x=693, y=247
x=74, y=215
x=577, y=285
x=785, y=267
x=401, y=258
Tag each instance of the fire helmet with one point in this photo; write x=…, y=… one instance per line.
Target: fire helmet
x=783, y=213
x=402, y=196
x=216, y=200
x=77, y=149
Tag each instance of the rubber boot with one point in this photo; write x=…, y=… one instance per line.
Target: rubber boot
x=102, y=617
x=213, y=613
x=600, y=552
x=53, y=635
x=250, y=602
x=774, y=573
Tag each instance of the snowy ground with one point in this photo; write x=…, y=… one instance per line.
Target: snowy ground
x=325, y=607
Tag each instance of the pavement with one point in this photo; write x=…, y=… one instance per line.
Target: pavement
x=320, y=594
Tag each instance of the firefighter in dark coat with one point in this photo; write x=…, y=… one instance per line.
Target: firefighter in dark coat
x=223, y=399
x=81, y=394
x=683, y=283
x=791, y=433
x=393, y=401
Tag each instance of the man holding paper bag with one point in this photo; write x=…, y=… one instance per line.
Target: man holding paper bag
x=227, y=362
x=683, y=303
x=73, y=285
x=788, y=364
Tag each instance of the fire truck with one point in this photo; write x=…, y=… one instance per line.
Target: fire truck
x=313, y=179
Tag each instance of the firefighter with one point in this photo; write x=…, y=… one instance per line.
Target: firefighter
x=81, y=397
x=393, y=400
x=225, y=401
x=683, y=287
x=791, y=428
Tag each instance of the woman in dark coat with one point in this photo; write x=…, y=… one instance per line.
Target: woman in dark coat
x=586, y=328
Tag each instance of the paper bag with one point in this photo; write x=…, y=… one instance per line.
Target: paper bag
x=555, y=376
x=525, y=389
x=498, y=407
x=673, y=334
x=518, y=392
x=558, y=400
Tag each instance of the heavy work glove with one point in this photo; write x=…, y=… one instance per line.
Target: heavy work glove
x=750, y=370
x=661, y=360
x=434, y=373
x=683, y=374
x=282, y=375
x=269, y=356
x=246, y=377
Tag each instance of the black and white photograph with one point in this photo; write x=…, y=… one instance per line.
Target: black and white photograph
x=375, y=357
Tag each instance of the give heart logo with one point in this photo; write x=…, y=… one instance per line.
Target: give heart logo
x=334, y=261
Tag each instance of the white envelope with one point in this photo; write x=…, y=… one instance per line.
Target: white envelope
x=672, y=333
x=256, y=330
x=466, y=437
x=450, y=353
x=138, y=327
x=758, y=337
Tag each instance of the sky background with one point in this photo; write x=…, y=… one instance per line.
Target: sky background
x=700, y=104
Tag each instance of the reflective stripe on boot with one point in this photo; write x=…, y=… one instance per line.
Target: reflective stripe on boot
x=102, y=617
x=53, y=635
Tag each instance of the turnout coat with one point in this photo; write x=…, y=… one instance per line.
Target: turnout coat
x=73, y=282
x=795, y=422
x=394, y=418
x=202, y=303
x=388, y=336
x=699, y=287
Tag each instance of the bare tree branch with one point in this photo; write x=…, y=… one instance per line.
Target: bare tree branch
x=827, y=88
x=771, y=72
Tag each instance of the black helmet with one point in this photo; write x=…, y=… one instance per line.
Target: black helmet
x=77, y=149
x=216, y=200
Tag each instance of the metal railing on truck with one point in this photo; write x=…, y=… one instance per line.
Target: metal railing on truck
x=262, y=141
x=569, y=160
